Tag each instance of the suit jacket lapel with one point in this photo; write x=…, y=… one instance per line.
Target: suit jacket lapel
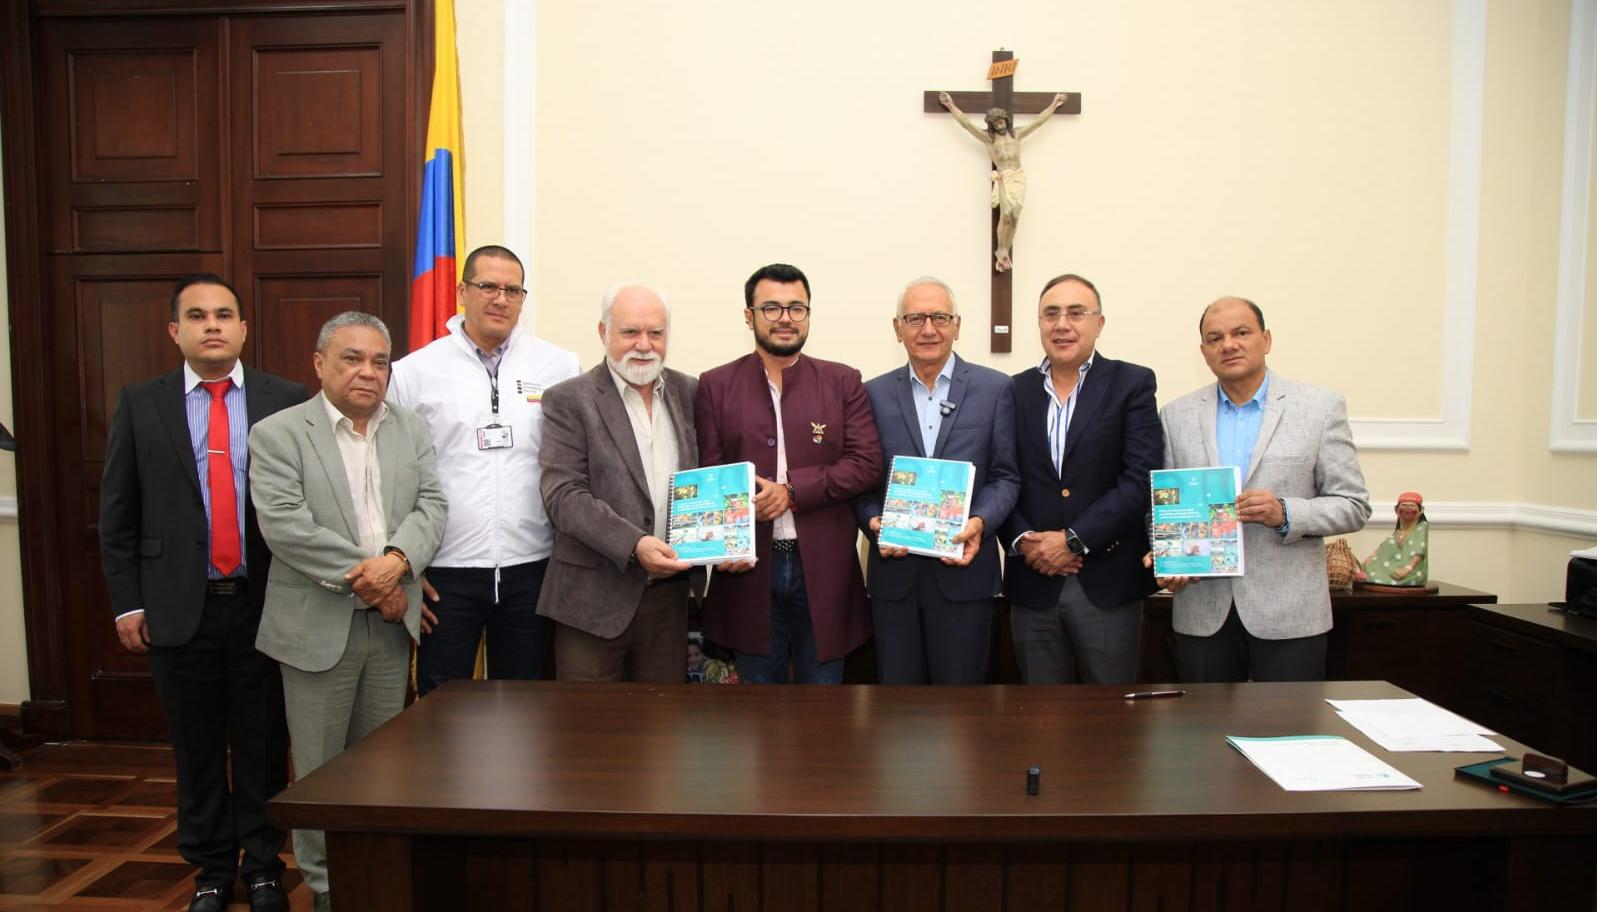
x=681, y=423
x=174, y=416
x=1273, y=408
x=389, y=447
x=1090, y=398
x=956, y=395
x=905, y=395
x=1210, y=414
x=613, y=413
x=326, y=449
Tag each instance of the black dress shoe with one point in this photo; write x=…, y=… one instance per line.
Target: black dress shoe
x=210, y=899
x=266, y=895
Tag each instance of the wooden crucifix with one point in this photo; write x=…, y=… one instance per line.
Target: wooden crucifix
x=1009, y=181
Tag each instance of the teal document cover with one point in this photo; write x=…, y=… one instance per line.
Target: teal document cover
x=1195, y=531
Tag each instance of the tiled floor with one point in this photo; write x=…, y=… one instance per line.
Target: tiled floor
x=92, y=827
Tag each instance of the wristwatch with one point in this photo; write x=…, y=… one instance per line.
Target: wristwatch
x=1074, y=543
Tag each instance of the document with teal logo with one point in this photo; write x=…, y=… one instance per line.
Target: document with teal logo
x=927, y=504
x=1195, y=530
x=712, y=514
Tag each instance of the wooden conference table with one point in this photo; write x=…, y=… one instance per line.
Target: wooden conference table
x=533, y=795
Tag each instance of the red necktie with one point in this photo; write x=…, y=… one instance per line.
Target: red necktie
x=225, y=554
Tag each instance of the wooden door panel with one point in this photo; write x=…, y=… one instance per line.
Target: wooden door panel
x=318, y=111
x=135, y=135
x=296, y=306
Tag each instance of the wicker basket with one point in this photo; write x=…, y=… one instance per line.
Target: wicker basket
x=1341, y=567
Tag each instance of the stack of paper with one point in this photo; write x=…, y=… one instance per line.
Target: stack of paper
x=1320, y=763
x=1414, y=725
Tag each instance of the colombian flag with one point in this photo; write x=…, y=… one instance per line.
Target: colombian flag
x=443, y=213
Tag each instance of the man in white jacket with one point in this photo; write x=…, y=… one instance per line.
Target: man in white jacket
x=481, y=390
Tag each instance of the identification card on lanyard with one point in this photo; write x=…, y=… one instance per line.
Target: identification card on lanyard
x=494, y=436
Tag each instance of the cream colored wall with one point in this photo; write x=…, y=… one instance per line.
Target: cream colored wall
x=13, y=645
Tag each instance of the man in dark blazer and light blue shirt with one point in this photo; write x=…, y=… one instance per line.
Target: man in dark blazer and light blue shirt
x=933, y=616
x=1301, y=482
x=186, y=573
x=1086, y=436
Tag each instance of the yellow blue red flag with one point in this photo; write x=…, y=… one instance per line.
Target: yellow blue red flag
x=443, y=212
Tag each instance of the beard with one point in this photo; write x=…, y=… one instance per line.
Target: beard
x=781, y=349
x=638, y=370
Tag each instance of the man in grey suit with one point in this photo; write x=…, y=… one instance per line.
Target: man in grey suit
x=933, y=616
x=611, y=439
x=349, y=500
x=1302, y=482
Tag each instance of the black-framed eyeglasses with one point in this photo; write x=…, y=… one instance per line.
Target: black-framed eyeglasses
x=939, y=319
x=490, y=290
x=773, y=311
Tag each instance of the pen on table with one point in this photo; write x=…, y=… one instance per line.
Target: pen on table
x=1152, y=694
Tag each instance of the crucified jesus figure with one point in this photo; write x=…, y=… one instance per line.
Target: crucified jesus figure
x=1009, y=181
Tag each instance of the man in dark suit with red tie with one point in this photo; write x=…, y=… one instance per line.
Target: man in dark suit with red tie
x=185, y=566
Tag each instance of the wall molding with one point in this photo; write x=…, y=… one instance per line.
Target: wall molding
x=1461, y=258
x=1467, y=514
x=1566, y=432
x=8, y=509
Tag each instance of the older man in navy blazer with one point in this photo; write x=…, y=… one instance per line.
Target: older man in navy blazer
x=1087, y=434
x=933, y=616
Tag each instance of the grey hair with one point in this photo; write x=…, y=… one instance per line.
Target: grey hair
x=607, y=302
x=927, y=280
x=351, y=318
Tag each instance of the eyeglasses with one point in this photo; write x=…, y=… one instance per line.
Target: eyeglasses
x=917, y=320
x=773, y=312
x=512, y=293
x=1074, y=315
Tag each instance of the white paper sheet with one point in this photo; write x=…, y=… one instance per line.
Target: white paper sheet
x=1320, y=763
x=1415, y=725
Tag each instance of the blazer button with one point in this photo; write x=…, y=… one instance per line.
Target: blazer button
x=1065, y=492
x=770, y=441
x=199, y=545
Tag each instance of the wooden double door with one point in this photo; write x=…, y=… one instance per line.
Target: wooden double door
x=276, y=147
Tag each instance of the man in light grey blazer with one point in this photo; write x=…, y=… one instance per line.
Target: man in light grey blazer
x=611, y=439
x=1301, y=482
x=349, y=501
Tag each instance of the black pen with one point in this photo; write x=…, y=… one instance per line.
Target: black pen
x=1151, y=694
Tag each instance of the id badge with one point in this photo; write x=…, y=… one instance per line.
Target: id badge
x=494, y=437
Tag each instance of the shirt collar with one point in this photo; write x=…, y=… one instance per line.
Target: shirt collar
x=339, y=419
x=1081, y=371
x=622, y=386
x=457, y=326
x=191, y=379
x=1259, y=395
x=947, y=373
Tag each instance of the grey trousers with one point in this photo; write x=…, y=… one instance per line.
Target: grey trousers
x=330, y=710
x=1055, y=643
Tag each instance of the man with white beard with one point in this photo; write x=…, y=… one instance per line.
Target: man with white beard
x=616, y=590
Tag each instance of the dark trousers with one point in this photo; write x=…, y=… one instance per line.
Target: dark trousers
x=218, y=693
x=929, y=639
x=653, y=648
x=518, y=639
x=1232, y=655
x=792, y=633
